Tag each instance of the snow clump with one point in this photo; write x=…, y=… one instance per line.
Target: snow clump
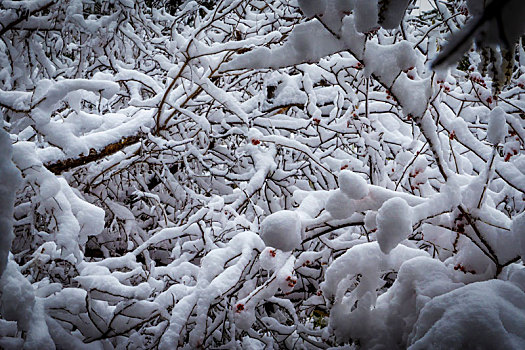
x=394, y=223
x=497, y=128
x=339, y=205
x=282, y=230
x=352, y=185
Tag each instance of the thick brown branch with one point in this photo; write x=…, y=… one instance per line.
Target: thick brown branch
x=71, y=163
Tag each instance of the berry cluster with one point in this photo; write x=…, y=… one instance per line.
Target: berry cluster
x=291, y=281
x=239, y=308
x=464, y=269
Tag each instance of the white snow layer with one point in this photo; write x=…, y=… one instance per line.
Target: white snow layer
x=300, y=47
x=400, y=56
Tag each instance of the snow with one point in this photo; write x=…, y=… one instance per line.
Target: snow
x=272, y=259
x=400, y=57
x=365, y=11
x=49, y=94
x=497, y=128
x=489, y=314
x=419, y=280
x=18, y=100
x=394, y=223
x=299, y=176
x=365, y=263
x=339, y=205
x=282, y=230
x=300, y=48
x=352, y=185
x=38, y=336
x=89, y=217
x=414, y=103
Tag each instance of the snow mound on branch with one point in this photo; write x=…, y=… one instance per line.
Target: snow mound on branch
x=483, y=315
x=352, y=185
x=368, y=261
x=415, y=102
x=272, y=259
x=89, y=216
x=282, y=230
x=394, y=223
x=400, y=57
x=497, y=129
x=339, y=205
x=300, y=48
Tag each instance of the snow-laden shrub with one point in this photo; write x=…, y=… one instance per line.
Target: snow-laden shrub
x=251, y=174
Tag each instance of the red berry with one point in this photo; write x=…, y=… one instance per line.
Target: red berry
x=255, y=142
